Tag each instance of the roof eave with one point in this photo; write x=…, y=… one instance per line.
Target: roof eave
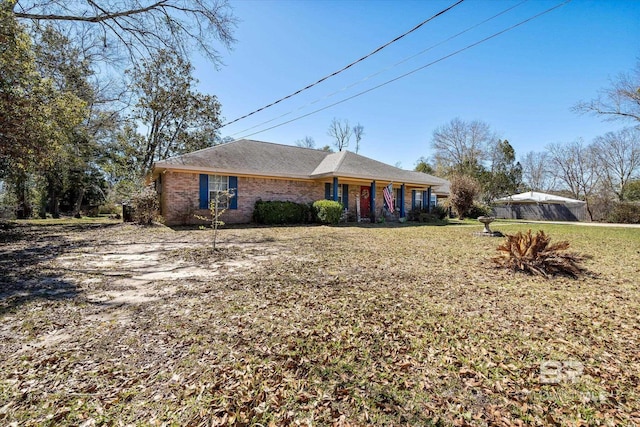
x=373, y=178
x=217, y=171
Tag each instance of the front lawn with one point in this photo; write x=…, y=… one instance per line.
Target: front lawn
x=113, y=324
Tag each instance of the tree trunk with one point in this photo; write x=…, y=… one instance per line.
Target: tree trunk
x=22, y=193
x=588, y=206
x=54, y=202
x=78, y=204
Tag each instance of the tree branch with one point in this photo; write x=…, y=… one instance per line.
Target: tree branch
x=105, y=16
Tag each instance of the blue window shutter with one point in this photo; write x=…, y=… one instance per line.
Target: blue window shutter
x=413, y=199
x=327, y=191
x=429, y=198
x=345, y=195
x=401, y=201
x=233, y=186
x=425, y=201
x=204, y=191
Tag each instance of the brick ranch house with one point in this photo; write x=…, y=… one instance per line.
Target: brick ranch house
x=256, y=170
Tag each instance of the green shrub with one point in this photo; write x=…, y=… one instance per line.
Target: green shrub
x=478, y=210
x=421, y=215
x=625, y=213
x=428, y=217
x=108, y=208
x=277, y=212
x=440, y=211
x=415, y=214
x=328, y=211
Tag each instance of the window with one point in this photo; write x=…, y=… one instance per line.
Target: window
x=217, y=184
x=418, y=200
x=211, y=185
x=343, y=193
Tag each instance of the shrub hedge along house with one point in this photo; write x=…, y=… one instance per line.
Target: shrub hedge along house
x=255, y=170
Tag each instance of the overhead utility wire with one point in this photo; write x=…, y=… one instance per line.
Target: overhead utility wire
x=381, y=71
x=346, y=67
x=415, y=70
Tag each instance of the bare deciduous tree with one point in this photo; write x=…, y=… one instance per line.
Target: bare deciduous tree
x=536, y=173
x=340, y=131
x=306, y=142
x=620, y=101
x=138, y=27
x=576, y=166
x=619, y=157
x=461, y=144
x=358, y=133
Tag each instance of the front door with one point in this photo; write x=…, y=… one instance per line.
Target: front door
x=365, y=202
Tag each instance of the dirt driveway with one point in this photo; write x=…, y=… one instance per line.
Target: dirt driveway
x=109, y=270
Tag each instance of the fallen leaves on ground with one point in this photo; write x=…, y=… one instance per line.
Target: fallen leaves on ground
x=339, y=326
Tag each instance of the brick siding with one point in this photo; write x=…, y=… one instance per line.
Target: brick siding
x=180, y=196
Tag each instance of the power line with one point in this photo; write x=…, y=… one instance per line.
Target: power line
x=346, y=67
x=383, y=70
x=415, y=70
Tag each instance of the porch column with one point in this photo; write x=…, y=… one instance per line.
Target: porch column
x=373, y=201
x=402, y=201
x=429, y=199
x=335, y=188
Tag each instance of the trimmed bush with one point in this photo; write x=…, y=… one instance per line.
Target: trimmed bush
x=625, y=213
x=414, y=214
x=440, y=211
x=328, y=211
x=276, y=212
x=478, y=210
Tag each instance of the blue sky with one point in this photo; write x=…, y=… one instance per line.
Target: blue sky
x=523, y=83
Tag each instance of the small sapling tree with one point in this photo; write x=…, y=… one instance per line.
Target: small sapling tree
x=217, y=206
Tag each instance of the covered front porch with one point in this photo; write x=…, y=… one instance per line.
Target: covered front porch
x=371, y=200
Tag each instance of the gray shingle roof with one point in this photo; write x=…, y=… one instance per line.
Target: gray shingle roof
x=247, y=157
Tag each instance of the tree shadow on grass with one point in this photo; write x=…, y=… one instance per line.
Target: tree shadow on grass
x=27, y=268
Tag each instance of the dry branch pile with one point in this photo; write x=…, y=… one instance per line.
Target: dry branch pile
x=535, y=254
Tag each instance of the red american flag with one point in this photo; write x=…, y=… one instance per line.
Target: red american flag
x=388, y=196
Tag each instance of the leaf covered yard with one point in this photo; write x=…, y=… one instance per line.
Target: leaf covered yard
x=111, y=324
